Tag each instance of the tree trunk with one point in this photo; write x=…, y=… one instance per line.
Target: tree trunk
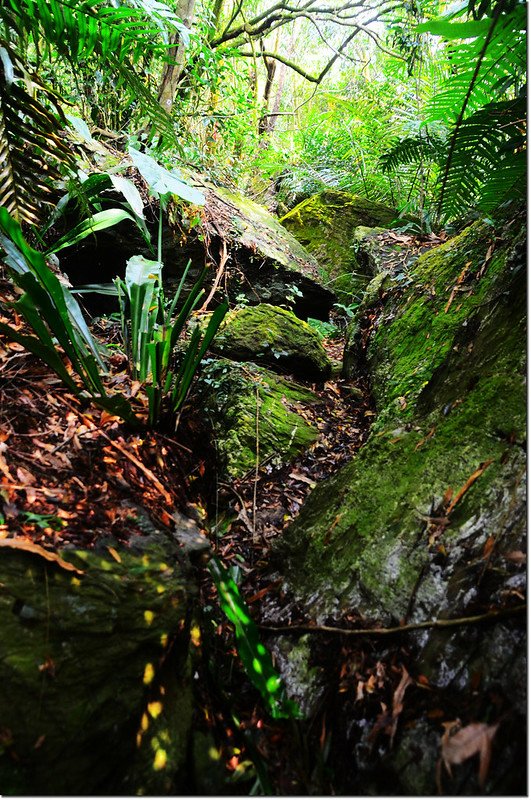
x=172, y=72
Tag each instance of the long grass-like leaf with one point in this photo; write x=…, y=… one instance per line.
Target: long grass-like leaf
x=254, y=655
x=98, y=222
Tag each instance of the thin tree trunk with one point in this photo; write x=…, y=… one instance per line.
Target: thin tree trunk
x=172, y=72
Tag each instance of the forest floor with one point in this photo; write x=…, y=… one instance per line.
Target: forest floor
x=75, y=476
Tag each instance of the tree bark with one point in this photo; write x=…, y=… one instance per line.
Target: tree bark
x=172, y=71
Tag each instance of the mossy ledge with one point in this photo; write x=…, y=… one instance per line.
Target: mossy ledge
x=325, y=224
x=449, y=378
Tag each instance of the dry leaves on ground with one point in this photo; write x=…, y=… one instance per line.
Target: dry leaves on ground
x=458, y=747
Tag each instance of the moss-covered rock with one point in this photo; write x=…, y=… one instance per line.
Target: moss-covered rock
x=96, y=694
x=267, y=263
x=326, y=225
x=275, y=338
x=423, y=522
x=242, y=399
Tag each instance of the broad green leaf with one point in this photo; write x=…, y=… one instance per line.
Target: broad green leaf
x=455, y=30
x=80, y=126
x=98, y=222
x=130, y=192
x=161, y=181
x=140, y=271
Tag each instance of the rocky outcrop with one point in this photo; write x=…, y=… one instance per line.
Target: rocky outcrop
x=260, y=259
x=267, y=264
x=428, y=520
x=326, y=225
x=275, y=338
x=94, y=667
x=255, y=414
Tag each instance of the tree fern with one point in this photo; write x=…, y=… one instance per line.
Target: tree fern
x=503, y=62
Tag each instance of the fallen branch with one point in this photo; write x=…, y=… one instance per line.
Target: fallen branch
x=489, y=616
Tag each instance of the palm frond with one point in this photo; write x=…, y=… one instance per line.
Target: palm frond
x=30, y=147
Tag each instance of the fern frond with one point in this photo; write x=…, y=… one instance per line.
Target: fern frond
x=411, y=150
x=487, y=158
x=503, y=63
x=77, y=29
x=30, y=147
x=508, y=181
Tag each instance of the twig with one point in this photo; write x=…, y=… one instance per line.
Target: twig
x=223, y=258
x=490, y=616
x=142, y=467
x=257, y=460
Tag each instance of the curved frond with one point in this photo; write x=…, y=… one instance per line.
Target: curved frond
x=30, y=147
x=411, y=150
x=502, y=67
x=488, y=160
x=77, y=29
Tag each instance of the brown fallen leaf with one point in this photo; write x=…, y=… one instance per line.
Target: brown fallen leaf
x=474, y=738
x=398, y=699
x=298, y=476
x=466, y=486
x=517, y=556
x=114, y=553
x=30, y=547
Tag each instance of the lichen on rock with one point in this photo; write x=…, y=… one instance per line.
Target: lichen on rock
x=275, y=338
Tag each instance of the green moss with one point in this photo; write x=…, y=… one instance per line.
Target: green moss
x=431, y=322
x=75, y=650
x=233, y=395
x=369, y=553
x=325, y=225
x=450, y=382
x=273, y=337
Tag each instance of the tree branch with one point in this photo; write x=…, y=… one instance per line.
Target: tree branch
x=490, y=616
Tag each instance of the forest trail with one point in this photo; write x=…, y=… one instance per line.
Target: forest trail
x=74, y=476
x=258, y=507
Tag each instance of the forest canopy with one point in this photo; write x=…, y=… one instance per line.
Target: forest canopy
x=418, y=104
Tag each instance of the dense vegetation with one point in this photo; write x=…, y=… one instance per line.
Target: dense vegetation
x=160, y=116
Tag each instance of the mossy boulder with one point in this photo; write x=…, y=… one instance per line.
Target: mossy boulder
x=267, y=263
x=244, y=400
x=326, y=225
x=449, y=384
x=425, y=520
x=275, y=338
x=96, y=694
